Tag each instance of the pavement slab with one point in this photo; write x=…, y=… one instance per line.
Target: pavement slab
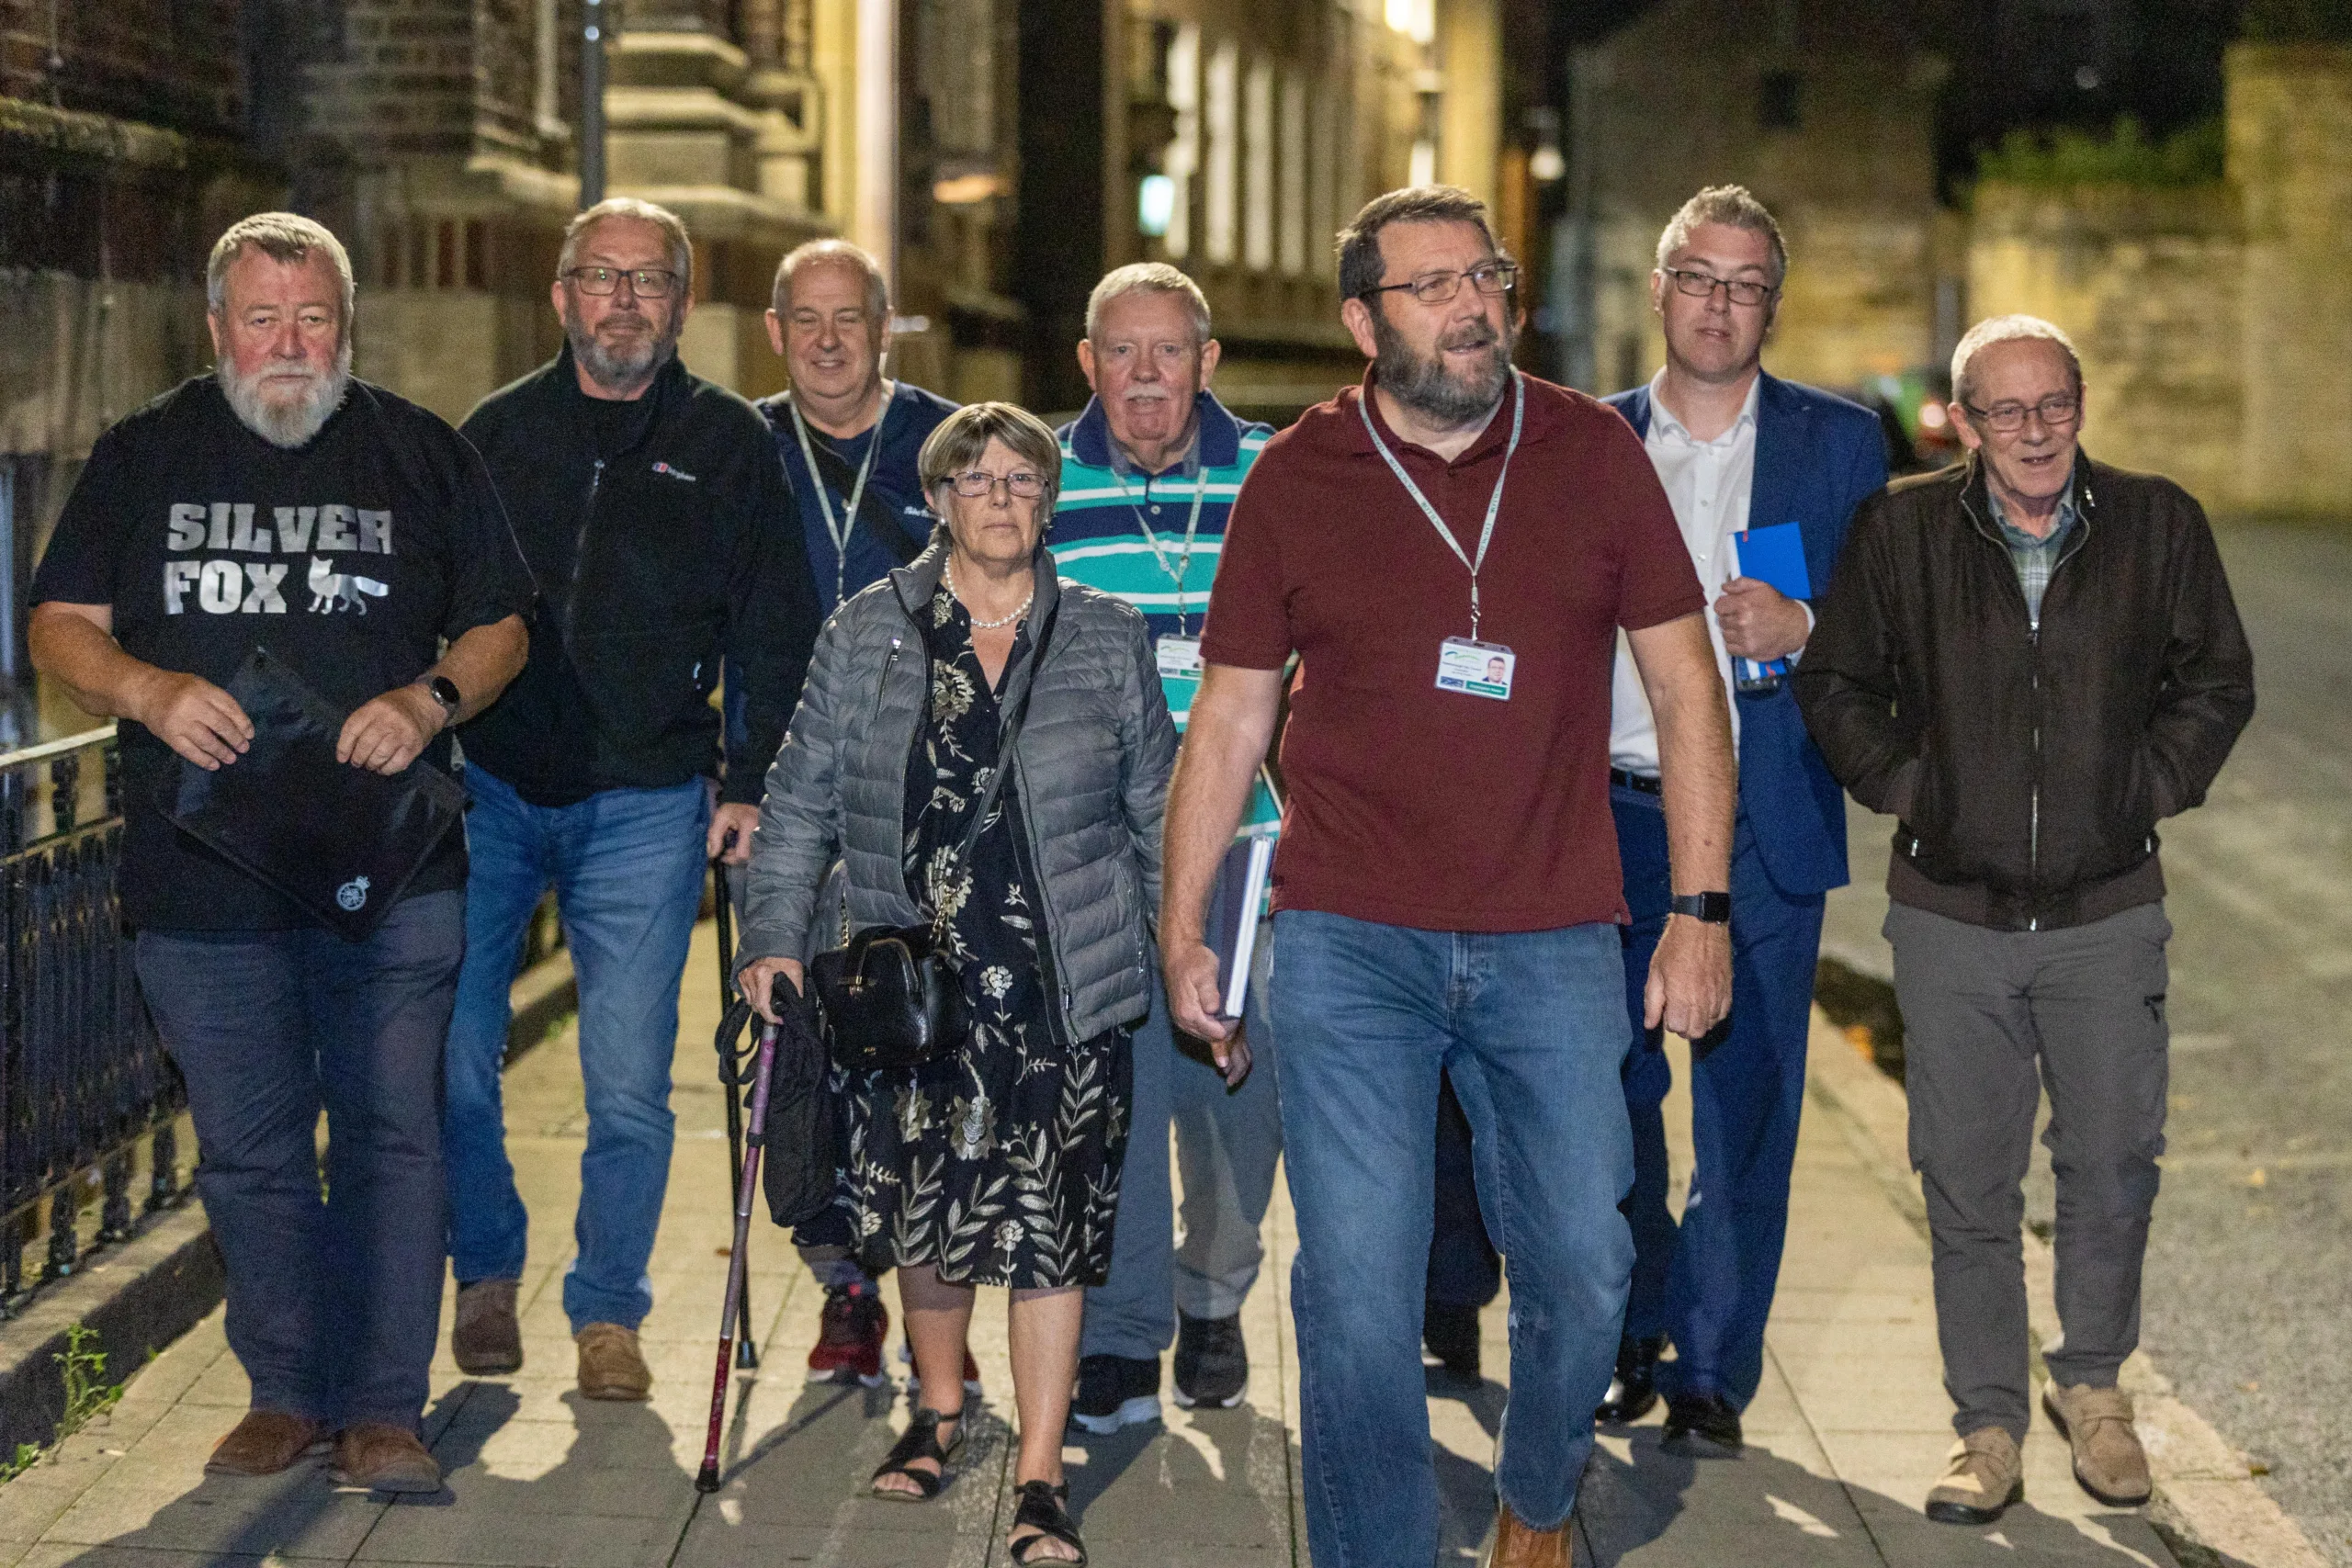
x=1847, y=1430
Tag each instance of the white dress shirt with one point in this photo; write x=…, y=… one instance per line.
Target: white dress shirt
x=1707, y=482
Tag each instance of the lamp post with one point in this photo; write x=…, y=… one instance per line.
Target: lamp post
x=592, y=104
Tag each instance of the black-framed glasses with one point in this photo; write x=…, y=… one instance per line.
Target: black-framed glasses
x=972, y=483
x=1438, y=288
x=2057, y=411
x=1703, y=285
x=644, y=282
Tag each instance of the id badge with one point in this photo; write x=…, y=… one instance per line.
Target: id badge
x=1475, y=669
x=1179, y=657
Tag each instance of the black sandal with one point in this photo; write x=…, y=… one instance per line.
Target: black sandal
x=920, y=1442
x=1043, y=1509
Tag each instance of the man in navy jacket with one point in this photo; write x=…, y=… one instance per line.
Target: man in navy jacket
x=1737, y=450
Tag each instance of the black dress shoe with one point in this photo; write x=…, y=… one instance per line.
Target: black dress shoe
x=1634, y=1388
x=1705, y=1425
x=1451, y=1334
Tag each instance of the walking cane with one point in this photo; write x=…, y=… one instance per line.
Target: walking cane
x=746, y=1186
x=731, y=1079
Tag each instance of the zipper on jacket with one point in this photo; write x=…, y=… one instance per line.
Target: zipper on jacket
x=2033, y=822
x=579, y=547
x=883, y=685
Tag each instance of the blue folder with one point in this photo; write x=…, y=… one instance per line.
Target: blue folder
x=1773, y=555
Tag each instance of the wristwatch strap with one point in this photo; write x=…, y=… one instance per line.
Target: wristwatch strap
x=1712, y=907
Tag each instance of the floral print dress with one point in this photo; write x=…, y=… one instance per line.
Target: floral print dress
x=997, y=1164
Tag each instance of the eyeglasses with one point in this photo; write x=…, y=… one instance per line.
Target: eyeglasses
x=1438, y=288
x=1703, y=285
x=2057, y=411
x=972, y=484
x=644, y=282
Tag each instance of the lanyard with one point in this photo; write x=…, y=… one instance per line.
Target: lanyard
x=841, y=530
x=1494, y=503
x=1183, y=566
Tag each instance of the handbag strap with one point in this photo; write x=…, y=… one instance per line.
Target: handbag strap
x=1006, y=736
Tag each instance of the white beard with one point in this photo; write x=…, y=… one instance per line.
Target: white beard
x=284, y=422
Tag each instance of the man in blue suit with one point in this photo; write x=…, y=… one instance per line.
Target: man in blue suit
x=1737, y=450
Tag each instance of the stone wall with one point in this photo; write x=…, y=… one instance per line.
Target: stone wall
x=2151, y=285
x=2290, y=156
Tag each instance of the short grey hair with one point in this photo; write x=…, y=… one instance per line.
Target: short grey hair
x=2006, y=329
x=834, y=252
x=962, y=436
x=672, y=227
x=1734, y=206
x=286, y=237
x=1361, y=263
x=1148, y=278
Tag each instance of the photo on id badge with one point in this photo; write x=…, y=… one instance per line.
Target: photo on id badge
x=1476, y=669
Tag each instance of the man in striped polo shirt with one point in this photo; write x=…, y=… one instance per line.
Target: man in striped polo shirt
x=1150, y=471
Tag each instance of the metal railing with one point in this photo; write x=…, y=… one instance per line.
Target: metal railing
x=84, y=1079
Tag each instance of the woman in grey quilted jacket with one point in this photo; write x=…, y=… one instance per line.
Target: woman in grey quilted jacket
x=998, y=1163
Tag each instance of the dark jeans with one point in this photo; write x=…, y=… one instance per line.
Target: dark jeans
x=1708, y=1283
x=334, y=1301
x=1990, y=1019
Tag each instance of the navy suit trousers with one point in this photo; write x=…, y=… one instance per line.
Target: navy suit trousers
x=1707, y=1283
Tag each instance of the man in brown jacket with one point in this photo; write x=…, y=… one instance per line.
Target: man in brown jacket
x=2030, y=658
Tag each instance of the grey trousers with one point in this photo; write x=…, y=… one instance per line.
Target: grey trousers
x=1227, y=1146
x=1989, y=1019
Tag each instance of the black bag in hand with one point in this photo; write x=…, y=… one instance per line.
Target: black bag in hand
x=802, y=1133
x=337, y=840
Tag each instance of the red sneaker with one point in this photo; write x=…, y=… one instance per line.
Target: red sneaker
x=849, y=1339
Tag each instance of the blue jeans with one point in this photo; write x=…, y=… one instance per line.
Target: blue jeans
x=1530, y=1026
x=335, y=1302
x=1708, y=1284
x=627, y=866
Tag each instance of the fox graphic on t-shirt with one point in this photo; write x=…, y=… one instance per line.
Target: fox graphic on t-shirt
x=332, y=590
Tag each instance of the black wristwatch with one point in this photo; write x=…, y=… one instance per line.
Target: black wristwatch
x=1712, y=907
x=444, y=692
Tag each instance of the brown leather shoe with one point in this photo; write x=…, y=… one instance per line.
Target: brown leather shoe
x=265, y=1442
x=1517, y=1546
x=487, y=1341
x=384, y=1458
x=611, y=1366
x=1984, y=1475
x=2110, y=1463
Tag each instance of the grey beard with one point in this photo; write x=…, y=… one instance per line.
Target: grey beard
x=288, y=425
x=1428, y=388
x=617, y=371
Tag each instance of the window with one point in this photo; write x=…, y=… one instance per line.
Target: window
x=1258, y=125
x=1222, y=82
x=1183, y=158
x=1293, y=211
x=1778, y=102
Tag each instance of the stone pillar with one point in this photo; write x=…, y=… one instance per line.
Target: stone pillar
x=2290, y=156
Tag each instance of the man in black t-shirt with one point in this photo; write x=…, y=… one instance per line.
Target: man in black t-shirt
x=278, y=502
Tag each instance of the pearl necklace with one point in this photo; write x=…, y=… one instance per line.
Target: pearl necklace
x=947, y=572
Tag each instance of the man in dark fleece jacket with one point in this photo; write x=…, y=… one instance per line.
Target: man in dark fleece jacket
x=2030, y=660
x=652, y=511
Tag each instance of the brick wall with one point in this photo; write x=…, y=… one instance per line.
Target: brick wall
x=167, y=62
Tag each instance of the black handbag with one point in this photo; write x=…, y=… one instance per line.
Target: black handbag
x=802, y=1134
x=887, y=998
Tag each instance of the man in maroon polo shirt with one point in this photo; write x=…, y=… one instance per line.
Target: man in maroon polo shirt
x=1451, y=550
